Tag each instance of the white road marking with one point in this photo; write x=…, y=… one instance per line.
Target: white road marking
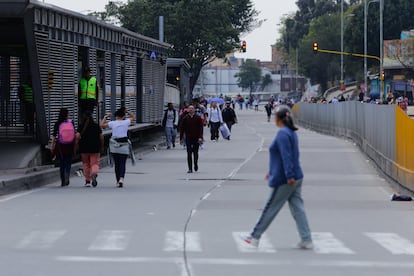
x=238, y=262
x=40, y=239
x=174, y=241
x=394, y=243
x=265, y=246
x=326, y=243
x=114, y=240
x=17, y=195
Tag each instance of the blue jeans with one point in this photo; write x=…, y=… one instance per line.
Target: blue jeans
x=278, y=197
x=120, y=165
x=171, y=134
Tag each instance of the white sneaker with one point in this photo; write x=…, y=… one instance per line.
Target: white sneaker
x=306, y=245
x=251, y=241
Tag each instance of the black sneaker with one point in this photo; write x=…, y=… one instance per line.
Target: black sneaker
x=87, y=184
x=190, y=171
x=196, y=167
x=94, y=181
x=173, y=145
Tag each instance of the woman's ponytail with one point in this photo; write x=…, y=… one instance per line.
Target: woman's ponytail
x=285, y=116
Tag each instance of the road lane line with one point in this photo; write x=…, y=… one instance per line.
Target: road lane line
x=17, y=195
x=174, y=241
x=392, y=242
x=40, y=239
x=327, y=243
x=265, y=246
x=239, y=262
x=111, y=240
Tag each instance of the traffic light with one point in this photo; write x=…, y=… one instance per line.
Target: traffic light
x=315, y=47
x=244, y=46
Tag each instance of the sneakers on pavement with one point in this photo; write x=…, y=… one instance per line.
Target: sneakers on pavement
x=251, y=241
x=120, y=183
x=306, y=245
x=87, y=184
x=94, y=181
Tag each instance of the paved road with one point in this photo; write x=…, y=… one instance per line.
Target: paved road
x=138, y=230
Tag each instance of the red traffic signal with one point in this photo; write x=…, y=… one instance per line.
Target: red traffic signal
x=315, y=47
x=244, y=46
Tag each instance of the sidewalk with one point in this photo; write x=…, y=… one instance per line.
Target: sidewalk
x=15, y=180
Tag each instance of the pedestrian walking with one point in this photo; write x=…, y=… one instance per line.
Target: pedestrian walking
x=247, y=103
x=215, y=119
x=119, y=144
x=256, y=104
x=233, y=103
x=90, y=143
x=229, y=116
x=285, y=179
x=269, y=108
x=63, y=144
x=192, y=129
x=170, y=124
x=240, y=99
x=88, y=92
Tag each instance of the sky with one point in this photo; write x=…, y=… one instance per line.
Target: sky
x=258, y=41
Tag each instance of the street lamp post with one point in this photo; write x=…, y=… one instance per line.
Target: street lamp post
x=381, y=46
x=366, y=10
x=342, y=43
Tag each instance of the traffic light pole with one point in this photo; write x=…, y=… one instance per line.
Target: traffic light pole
x=349, y=54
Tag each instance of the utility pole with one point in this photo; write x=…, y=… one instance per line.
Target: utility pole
x=382, y=46
x=161, y=28
x=342, y=43
x=365, y=44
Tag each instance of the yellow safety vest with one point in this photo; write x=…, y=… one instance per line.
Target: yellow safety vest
x=88, y=88
x=28, y=93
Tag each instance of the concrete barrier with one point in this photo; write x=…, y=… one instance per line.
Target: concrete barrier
x=384, y=133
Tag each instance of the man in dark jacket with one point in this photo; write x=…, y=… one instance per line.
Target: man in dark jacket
x=192, y=129
x=229, y=115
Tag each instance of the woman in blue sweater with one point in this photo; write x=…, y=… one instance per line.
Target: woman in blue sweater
x=285, y=180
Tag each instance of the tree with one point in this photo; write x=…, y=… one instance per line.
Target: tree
x=250, y=75
x=321, y=68
x=266, y=80
x=199, y=30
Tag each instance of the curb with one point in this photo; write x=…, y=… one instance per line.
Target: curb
x=42, y=178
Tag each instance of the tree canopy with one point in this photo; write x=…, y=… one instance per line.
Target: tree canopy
x=250, y=75
x=319, y=20
x=199, y=30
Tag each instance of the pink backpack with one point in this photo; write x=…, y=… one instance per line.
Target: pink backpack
x=66, y=132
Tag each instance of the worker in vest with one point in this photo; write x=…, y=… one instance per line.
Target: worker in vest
x=26, y=98
x=88, y=92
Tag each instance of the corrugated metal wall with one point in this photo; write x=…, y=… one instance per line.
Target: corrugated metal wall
x=370, y=124
x=153, y=86
x=131, y=83
x=59, y=61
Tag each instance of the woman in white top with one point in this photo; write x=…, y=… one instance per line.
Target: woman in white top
x=215, y=119
x=119, y=145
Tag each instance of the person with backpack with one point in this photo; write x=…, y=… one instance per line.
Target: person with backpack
x=63, y=141
x=119, y=144
x=90, y=143
x=285, y=178
x=170, y=124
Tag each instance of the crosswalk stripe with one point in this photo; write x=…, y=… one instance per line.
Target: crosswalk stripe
x=394, y=243
x=327, y=243
x=40, y=239
x=265, y=246
x=111, y=240
x=174, y=241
